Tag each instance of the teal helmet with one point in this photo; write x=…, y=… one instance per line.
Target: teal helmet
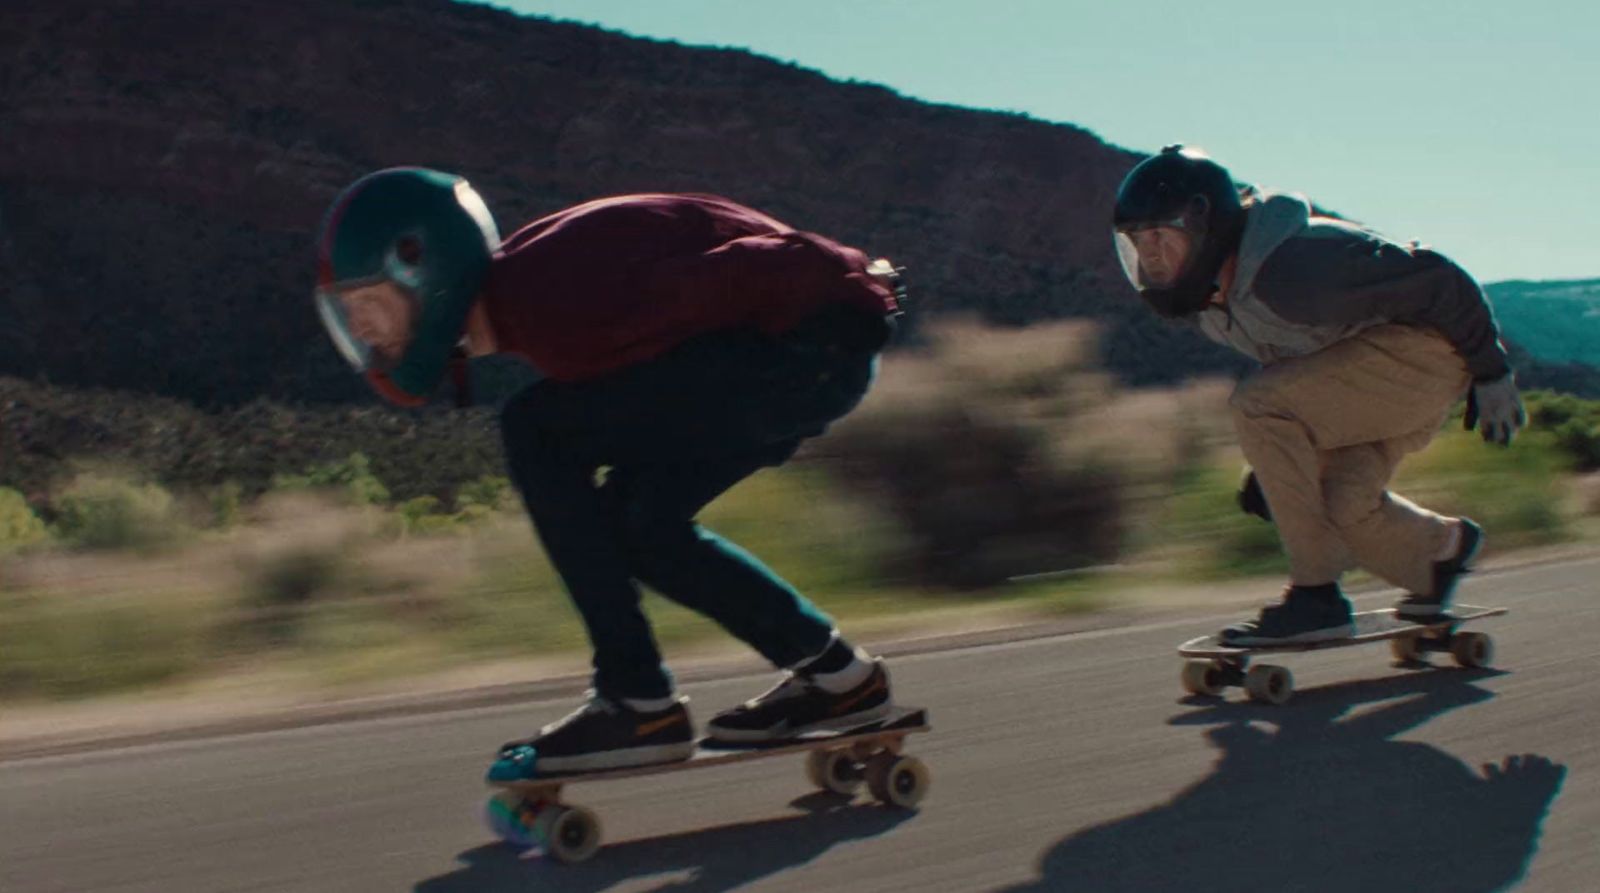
x=427, y=232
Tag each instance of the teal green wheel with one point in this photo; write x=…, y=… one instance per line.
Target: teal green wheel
x=514, y=819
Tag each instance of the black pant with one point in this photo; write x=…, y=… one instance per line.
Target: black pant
x=678, y=431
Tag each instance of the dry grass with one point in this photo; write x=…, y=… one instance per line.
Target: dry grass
x=988, y=456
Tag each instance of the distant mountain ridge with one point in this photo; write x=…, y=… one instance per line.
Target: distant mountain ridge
x=165, y=163
x=1556, y=321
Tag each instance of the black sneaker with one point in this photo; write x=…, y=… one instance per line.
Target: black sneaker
x=1306, y=614
x=1446, y=574
x=798, y=705
x=602, y=734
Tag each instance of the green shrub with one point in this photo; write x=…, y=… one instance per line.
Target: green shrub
x=474, y=514
x=1550, y=411
x=998, y=506
x=19, y=526
x=1575, y=422
x=103, y=512
x=1517, y=494
x=1579, y=440
x=420, y=507
x=425, y=515
x=351, y=477
x=970, y=447
x=491, y=492
x=227, y=505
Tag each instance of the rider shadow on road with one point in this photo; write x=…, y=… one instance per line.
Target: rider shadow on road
x=716, y=859
x=1329, y=801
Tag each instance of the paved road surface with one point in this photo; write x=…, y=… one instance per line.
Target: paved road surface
x=1071, y=763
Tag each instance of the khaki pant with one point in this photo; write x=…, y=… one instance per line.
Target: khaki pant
x=1325, y=433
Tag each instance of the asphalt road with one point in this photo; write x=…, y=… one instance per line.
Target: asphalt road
x=1071, y=763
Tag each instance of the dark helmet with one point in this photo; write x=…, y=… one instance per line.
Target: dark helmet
x=429, y=233
x=1180, y=189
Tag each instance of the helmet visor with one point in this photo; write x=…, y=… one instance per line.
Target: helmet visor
x=372, y=323
x=1155, y=256
x=331, y=311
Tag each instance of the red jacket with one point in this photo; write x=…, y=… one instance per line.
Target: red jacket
x=617, y=281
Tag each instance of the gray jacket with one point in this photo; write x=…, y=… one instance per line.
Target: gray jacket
x=1303, y=283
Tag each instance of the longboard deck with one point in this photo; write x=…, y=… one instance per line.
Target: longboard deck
x=900, y=722
x=1371, y=626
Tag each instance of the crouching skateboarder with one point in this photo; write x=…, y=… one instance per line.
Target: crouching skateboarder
x=1365, y=346
x=683, y=342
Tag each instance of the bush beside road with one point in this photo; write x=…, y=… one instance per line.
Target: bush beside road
x=988, y=471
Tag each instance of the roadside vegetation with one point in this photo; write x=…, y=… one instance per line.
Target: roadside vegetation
x=145, y=543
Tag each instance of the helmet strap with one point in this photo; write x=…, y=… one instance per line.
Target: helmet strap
x=461, y=377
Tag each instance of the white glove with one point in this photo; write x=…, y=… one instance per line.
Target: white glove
x=1495, y=408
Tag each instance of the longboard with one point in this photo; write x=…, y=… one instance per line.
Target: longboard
x=1212, y=666
x=530, y=813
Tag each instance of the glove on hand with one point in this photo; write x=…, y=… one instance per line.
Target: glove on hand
x=1495, y=408
x=1251, y=500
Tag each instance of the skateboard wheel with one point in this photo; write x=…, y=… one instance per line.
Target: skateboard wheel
x=573, y=833
x=1268, y=684
x=543, y=819
x=833, y=770
x=1202, y=677
x=1472, y=649
x=513, y=819
x=1405, y=650
x=897, y=780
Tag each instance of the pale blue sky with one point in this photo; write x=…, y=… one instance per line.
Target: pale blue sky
x=1473, y=125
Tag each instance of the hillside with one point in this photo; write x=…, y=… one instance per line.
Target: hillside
x=165, y=162
x=1558, y=322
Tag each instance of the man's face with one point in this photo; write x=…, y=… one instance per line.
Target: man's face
x=379, y=322
x=1161, y=252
